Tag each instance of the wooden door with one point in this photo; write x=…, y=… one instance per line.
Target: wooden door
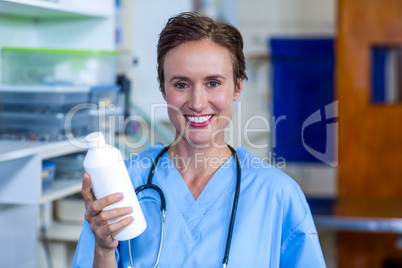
x=370, y=134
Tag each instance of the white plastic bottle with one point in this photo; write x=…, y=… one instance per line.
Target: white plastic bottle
x=109, y=175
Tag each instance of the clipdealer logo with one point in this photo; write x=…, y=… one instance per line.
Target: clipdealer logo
x=330, y=111
x=147, y=134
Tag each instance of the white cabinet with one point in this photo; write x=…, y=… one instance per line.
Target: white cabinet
x=21, y=196
x=20, y=166
x=57, y=9
x=66, y=24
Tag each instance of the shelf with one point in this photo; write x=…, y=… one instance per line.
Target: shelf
x=357, y=214
x=359, y=224
x=60, y=189
x=11, y=150
x=69, y=232
x=51, y=10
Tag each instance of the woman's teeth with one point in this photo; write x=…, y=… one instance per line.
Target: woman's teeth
x=198, y=119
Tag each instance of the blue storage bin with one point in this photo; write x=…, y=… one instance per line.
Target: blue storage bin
x=39, y=112
x=109, y=108
x=70, y=166
x=303, y=82
x=42, y=127
x=106, y=94
x=48, y=173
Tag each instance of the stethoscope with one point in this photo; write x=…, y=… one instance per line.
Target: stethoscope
x=149, y=185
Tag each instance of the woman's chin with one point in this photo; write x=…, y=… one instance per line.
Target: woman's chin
x=200, y=141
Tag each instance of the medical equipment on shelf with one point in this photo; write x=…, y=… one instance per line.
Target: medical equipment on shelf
x=149, y=185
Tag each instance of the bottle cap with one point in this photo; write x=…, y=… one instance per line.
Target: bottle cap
x=95, y=140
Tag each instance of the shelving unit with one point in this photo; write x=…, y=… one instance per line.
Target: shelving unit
x=51, y=10
x=28, y=157
x=60, y=189
x=62, y=24
x=64, y=231
x=21, y=195
x=11, y=150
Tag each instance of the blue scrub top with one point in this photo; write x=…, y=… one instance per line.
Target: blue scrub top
x=273, y=226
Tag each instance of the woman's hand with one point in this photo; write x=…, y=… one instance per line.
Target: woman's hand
x=97, y=219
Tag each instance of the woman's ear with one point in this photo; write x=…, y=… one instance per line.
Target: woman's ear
x=163, y=93
x=238, y=88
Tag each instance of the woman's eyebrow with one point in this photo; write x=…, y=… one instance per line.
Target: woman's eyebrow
x=215, y=76
x=176, y=77
x=209, y=77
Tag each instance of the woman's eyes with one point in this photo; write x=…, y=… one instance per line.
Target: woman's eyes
x=213, y=84
x=180, y=85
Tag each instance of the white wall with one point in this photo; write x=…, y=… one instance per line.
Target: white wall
x=261, y=19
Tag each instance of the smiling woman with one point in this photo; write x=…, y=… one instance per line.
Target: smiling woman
x=221, y=203
x=199, y=89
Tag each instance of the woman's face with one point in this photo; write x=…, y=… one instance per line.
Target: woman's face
x=200, y=90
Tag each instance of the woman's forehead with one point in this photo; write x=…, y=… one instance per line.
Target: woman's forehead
x=198, y=56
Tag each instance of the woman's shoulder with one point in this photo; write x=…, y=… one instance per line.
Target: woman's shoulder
x=148, y=154
x=261, y=171
x=266, y=181
x=152, y=151
x=139, y=164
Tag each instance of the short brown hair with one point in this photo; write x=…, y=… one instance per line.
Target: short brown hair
x=191, y=26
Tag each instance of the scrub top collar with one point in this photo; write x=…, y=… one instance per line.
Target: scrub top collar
x=193, y=210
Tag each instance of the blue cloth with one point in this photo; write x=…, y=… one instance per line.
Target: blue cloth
x=273, y=226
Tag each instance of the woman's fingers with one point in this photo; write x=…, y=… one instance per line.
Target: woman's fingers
x=94, y=207
x=98, y=218
x=100, y=204
x=91, y=203
x=104, y=233
x=114, y=227
x=103, y=230
x=108, y=215
x=86, y=190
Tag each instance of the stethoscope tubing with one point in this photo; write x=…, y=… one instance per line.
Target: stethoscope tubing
x=234, y=208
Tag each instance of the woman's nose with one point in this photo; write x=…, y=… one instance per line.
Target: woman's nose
x=198, y=99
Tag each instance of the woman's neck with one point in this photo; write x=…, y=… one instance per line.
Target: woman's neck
x=198, y=157
x=197, y=164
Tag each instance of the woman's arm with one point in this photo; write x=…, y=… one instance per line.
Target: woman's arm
x=105, y=245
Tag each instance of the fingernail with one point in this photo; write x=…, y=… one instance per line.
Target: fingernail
x=129, y=209
x=118, y=196
x=130, y=219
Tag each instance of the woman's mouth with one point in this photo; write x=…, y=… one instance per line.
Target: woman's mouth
x=199, y=121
